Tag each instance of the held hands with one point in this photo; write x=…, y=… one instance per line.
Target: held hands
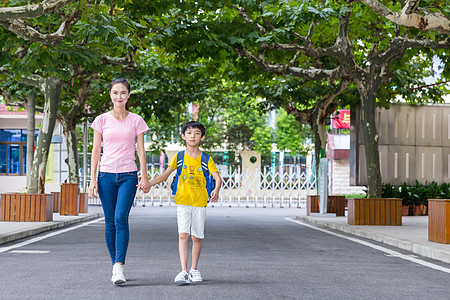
x=144, y=185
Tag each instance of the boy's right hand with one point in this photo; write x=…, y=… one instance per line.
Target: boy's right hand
x=214, y=196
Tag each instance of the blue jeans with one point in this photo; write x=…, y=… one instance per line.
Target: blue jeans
x=117, y=191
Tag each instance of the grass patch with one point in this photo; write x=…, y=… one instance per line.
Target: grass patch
x=353, y=196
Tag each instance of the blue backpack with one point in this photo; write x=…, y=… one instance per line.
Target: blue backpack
x=210, y=181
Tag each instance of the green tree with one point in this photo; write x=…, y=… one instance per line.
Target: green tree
x=309, y=102
x=291, y=135
x=100, y=45
x=235, y=121
x=330, y=42
x=161, y=90
x=18, y=16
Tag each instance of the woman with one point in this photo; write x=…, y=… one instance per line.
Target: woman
x=119, y=130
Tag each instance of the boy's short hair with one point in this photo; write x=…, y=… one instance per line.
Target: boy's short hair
x=195, y=125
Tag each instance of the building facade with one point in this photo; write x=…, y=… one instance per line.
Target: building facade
x=13, y=148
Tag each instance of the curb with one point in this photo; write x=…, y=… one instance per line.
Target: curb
x=9, y=237
x=416, y=248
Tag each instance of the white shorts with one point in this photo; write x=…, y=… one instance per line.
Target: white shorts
x=191, y=220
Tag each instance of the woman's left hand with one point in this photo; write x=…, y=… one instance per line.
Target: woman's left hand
x=144, y=185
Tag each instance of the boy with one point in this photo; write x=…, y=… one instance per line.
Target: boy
x=191, y=199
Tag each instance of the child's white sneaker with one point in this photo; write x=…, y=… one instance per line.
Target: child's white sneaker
x=182, y=278
x=195, y=276
x=117, y=274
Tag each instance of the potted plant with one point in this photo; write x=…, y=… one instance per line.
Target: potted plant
x=418, y=193
x=404, y=192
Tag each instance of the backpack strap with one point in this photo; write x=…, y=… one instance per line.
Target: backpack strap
x=205, y=160
x=210, y=181
x=180, y=160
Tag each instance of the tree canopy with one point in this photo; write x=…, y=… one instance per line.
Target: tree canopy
x=303, y=56
x=334, y=43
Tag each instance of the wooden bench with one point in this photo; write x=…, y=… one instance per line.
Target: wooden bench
x=439, y=220
x=26, y=207
x=70, y=204
x=375, y=211
x=335, y=204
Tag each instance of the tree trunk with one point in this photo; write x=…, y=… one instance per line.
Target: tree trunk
x=70, y=135
x=69, y=122
x=321, y=112
x=320, y=142
x=30, y=134
x=368, y=94
x=51, y=88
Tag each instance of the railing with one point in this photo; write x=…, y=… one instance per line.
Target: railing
x=249, y=188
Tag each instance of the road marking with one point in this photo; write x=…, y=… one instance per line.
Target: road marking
x=394, y=255
x=40, y=238
x=29, y=251
x=376, y=247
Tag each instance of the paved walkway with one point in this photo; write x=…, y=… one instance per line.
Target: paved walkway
x=11, y=231
x=411, y=236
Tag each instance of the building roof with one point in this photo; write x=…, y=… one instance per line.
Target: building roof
x=13, y=111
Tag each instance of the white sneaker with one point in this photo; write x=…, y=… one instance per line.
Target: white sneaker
x=182, y=278
x=118, y=277
x=195, y=276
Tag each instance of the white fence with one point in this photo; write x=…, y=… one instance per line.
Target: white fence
x=250, y=188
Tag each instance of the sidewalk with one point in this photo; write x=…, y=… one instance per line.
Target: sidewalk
x=411, y=236
x=11, y=231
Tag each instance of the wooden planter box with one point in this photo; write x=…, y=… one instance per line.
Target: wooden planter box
x=26, y=207
x=375, y=211
x=57, y=202
x=70, y=204
x=312, y=204
x=83, y=203
x=335, y=204
x=439, y=220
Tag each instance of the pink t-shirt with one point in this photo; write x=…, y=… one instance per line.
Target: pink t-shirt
x=119, y=140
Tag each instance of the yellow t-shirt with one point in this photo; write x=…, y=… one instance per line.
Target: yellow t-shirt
x=192, y=183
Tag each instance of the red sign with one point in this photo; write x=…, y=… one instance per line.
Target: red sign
x=342, y=119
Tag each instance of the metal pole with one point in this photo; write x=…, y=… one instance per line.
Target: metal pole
x=85, y=141
x=60, y=153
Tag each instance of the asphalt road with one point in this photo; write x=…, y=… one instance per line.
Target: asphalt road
x=248, y=253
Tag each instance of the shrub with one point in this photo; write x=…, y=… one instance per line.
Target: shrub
x=417, y=193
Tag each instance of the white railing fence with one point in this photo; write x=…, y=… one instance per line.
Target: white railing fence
x=250, y=188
